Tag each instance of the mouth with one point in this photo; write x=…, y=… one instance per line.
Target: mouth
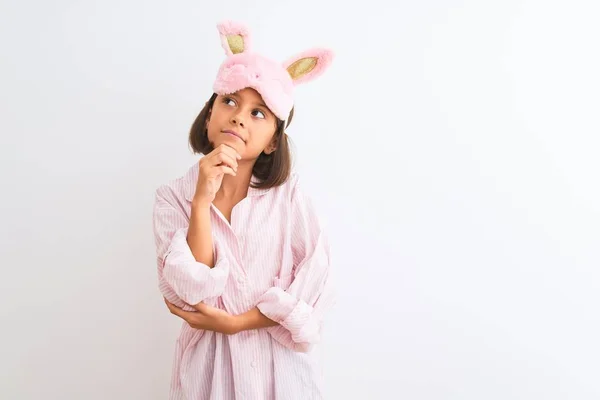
x=234, y=133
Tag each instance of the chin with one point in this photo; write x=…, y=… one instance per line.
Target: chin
x=236, y=143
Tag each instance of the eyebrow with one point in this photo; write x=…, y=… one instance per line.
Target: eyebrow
x=260, y=103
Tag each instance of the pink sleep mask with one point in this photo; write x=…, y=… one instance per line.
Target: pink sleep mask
x=274, y=81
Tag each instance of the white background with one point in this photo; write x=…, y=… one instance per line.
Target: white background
x=452, y=150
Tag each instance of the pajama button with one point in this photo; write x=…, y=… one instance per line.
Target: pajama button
x=253, y=363
x=241, y=279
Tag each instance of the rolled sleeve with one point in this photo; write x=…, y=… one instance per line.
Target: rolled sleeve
x=300, y=308
x=181, y=279
x=292, y=314
x=191, y=280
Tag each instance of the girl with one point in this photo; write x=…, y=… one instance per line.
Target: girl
x=242, y=258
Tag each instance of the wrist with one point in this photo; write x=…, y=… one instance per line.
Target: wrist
x=200, y=205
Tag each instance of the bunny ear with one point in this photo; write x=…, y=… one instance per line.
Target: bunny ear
x=308, y=65
x=235, y=37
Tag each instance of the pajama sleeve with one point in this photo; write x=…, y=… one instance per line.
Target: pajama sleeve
x=181, y=279
x=300, y=309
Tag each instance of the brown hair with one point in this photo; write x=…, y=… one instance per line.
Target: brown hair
x=270, y=169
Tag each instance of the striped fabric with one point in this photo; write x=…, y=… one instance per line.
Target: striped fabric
x=275, y=256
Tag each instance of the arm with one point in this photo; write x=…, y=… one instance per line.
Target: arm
x=183, y=280
x=199, y=236
x=297, y=312
x=253, y=319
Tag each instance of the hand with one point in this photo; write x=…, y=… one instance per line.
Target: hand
x=208, y=318
x=212, y=167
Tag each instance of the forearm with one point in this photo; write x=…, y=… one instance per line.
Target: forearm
x=199, y=236
x=254, y=319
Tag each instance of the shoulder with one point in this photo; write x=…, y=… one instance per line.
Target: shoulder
x=291, y=189
x=294, y=182
x=179, y=188
x=303, y=207
x=299, y=194
x=290, y=196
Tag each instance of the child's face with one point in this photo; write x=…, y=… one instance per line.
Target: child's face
x=244, y=113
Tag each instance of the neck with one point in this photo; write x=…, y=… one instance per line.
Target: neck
x=236, y=187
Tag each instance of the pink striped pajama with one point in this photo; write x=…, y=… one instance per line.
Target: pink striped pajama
x=275, y=256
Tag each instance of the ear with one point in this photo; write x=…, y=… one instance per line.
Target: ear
x=207, y=120
x=308, y=65
x=235, y=37
x=272, y=146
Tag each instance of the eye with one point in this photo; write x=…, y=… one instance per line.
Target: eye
x=226, y=100
x=259, y=112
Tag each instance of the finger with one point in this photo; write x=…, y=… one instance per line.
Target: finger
x=213, y=172
x=201, y=307
x=199, y=321
x=231, y=151
x=171, y=304
x=178, y=311
x=218, y=160
x=225, y=159
x=167, y=302
x=224, y=170
x=172, y=307
x=207, y=311
x=191, y=317
x=223, y=148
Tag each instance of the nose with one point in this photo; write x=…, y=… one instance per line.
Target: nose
x=237, y=119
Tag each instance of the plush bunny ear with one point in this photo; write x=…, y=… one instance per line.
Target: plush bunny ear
x=308, y=65
x=235, y=37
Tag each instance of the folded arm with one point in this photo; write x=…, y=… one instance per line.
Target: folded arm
x=184, y=279
x=297, y=312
